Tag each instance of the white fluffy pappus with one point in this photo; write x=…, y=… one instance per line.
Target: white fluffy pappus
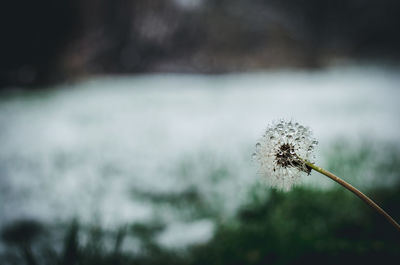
x=281, y=153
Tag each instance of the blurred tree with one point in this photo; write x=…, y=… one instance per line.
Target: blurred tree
x=45, y=41
x=33, y=36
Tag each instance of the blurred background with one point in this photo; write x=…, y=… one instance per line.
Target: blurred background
x=127, y=128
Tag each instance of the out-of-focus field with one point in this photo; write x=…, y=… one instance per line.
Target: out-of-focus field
x=156, y=169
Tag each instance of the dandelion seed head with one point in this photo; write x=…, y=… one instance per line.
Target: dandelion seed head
x=281, y=152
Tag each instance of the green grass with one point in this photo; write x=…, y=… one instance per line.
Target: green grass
x=305, y=225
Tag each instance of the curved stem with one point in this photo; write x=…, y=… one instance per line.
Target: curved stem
x=361, y=195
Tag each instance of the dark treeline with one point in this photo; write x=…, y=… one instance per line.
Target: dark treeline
x=48, y=41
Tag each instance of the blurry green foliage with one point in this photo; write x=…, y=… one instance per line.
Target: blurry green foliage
x=315, y=227
x=304, y=225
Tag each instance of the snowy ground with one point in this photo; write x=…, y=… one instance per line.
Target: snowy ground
x=99, y=149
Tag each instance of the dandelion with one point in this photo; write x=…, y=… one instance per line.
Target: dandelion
x=281, y=153
x=285, y=153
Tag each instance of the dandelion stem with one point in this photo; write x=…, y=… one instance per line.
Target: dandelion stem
x=361, y=195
